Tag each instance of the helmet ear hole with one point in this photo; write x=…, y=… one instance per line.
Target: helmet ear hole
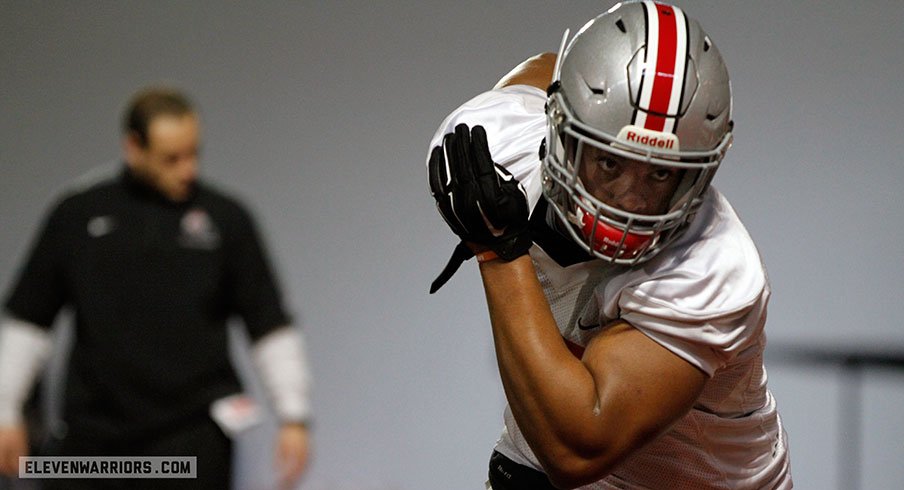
x=621, y=26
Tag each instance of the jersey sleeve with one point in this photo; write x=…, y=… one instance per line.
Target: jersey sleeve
x=40, y=289
x=705, y=299
x=254, y=292
x=515, y=122
x=707, y=343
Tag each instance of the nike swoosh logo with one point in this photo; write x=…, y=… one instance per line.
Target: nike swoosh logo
x=587, y=327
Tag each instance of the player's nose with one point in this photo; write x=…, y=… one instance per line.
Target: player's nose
x=627, y=194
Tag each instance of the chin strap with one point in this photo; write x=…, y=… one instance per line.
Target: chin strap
x=459, y=256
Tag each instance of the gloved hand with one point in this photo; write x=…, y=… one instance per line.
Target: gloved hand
x=481, y=201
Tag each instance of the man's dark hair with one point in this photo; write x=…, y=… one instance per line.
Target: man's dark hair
x=150, y=103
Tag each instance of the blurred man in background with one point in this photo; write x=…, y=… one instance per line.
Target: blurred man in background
x=152, y=262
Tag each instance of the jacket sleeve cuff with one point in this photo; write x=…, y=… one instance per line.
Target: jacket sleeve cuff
x=282, y=365
x=24, y=351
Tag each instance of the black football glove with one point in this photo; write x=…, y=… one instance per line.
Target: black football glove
x=481, y=201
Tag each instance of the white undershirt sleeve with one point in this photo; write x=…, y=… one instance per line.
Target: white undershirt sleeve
x=24, y=351
x=282, y=365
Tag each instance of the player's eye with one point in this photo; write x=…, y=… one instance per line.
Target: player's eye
x=662, y=174
x=607, y=164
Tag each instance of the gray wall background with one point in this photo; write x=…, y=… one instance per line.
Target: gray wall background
x=318, y=114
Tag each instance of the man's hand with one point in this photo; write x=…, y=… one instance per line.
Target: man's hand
x=481, y=201
x=291, y=454
x=13, y=443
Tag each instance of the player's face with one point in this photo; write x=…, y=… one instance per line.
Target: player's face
x=169, y=162
x=629, y=185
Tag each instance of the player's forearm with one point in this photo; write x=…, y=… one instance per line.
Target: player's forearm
x=550, y=392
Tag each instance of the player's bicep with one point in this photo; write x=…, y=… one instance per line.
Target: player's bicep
x=642, y=387
x=536, y=71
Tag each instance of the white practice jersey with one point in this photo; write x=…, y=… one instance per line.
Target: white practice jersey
x=704, y=298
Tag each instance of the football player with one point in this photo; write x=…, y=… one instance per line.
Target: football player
x=627, y=300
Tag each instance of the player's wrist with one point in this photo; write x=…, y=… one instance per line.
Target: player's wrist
x=506, y=248
x=486, y=256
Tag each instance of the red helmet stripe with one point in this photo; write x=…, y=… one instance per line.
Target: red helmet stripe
x=666, y=55
x=665, y=68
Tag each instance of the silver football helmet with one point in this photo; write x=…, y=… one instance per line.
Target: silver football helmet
x=641, y=83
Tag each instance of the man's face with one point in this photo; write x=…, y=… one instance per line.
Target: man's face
x=629, y=185
x=169, y=161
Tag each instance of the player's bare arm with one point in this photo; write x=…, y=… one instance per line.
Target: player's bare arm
x=581, y=417
x=535, y=71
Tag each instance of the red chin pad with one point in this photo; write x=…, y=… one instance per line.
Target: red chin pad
x=606, y=238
